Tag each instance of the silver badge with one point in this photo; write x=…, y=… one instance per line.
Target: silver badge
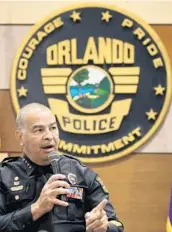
x=72, y=178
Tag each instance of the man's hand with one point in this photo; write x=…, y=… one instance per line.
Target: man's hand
x=97, y=220
x=54, y=187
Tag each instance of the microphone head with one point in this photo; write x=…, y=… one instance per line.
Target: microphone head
x=53, y=156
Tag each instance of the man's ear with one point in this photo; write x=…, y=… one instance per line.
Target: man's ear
x=18, y=135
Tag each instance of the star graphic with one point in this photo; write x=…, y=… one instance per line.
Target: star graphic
x=22, y=92
x=159, y=90
x=106, y=16
x=75, y=16
x=151, y=114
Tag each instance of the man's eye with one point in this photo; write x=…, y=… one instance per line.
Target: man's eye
x=54, y=128
x=38, y=130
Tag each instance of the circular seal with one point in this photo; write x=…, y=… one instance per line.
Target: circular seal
x=90, y=89
x=104, y=73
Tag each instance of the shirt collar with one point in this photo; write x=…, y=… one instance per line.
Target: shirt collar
x=32, y=168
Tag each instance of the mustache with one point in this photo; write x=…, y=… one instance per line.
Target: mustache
x=47, y=145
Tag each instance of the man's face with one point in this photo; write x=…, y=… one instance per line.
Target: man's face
x=39, y=136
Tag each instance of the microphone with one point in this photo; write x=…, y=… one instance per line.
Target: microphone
x=54, y=159
x=42, y=231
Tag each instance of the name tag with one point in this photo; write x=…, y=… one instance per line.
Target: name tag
x=17, y=188
x=75, y=193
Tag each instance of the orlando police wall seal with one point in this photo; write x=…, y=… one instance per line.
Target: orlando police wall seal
x=105, y=74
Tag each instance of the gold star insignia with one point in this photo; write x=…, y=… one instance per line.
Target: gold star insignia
x=22, y=92
x=75, y=16
x=159, y=90
x=106, y=16
x=151, y=114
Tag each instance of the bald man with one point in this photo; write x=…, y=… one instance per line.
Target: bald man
x=31, y=194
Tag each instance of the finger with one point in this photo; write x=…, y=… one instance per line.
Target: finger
x=104, y=219
x=87, y=215
x=95, y=224
x=99, y=225
x=101, y=228
x=59, y=202
x=101, y=205
x=59, y=191
x=55, y=177
x=104, y=224
x=58, y=183
x=93, y=217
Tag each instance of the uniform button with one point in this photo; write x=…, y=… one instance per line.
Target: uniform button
x=16, y=178
x=17, y=197
x=16, y=182
x=23, y=226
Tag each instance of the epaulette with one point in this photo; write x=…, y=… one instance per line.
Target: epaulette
x=9, y=159
x=72, y=157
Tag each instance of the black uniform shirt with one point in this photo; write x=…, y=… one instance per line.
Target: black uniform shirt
x=21, y=182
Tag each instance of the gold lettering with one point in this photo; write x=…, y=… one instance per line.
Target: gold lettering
x=107, y=148
x=49, y=27
x=28, y=53
x=75, y=59
x=33, y=43
x=127, y=23
x=77, y=124
x=88, y=150
x=102, y=121
x=58, y=22
x=104, y=148
x=80, y=149
x=21, y=75
x=64, y=52
x=65, y=146
x=128, y=53
x=23, y=63
x=91, y=52
x=95, y=149
x=104, y=50
x=137, y=132
x=158, y=62
x=139, y=33
x=152, y=49
x=41, y=35
x=118, y=51
x=146, y=41
x=52, y=53
x=128, y=138
x=109, y=51
x=118, y=144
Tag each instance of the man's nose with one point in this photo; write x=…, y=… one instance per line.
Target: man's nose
x=48, y=134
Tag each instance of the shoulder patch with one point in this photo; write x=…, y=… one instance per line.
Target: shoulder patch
x=116, y=223
x=72, y=157
x=102, y=184
x=9, y=159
